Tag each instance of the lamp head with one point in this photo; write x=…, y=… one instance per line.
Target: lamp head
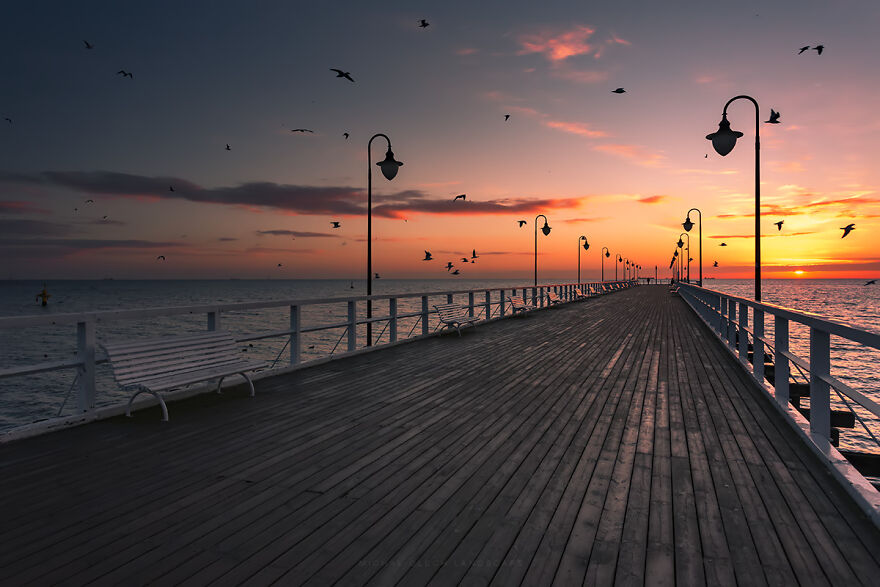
x=680, y=243
x=675, y=254
x=586, y=244
x=724, y=139
x=389, y=166
x=546, y=228
x=687, y=224
x=607, y=253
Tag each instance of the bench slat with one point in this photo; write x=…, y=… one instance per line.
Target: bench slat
x=167, y=342
x=159, y=370
x=179, y=379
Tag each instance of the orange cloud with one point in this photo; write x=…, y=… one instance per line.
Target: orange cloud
x=558, y=46
x=651, y=199
x=596, y=219
x=639, y=154
x=576, y=128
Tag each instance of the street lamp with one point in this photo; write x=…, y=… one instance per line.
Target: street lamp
x=389, y=169
x=723, y=140
x=617, y=259
x=688, y=225
x=602, y=260
x=586, y=248
x=688, y=249
x=546, y=230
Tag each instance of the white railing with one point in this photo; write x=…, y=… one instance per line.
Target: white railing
x=730, y=316
x=486, y=304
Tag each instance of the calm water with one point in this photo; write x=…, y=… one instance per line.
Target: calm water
x=27, y=399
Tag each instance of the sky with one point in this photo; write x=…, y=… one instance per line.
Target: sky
x=89, y=157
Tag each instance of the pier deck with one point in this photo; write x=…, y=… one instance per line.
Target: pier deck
x=611, y=440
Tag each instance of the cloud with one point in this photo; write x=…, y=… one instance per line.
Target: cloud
x=656, y=199
x=808, y=207
x=467, y=51
x=495, y=207
x=557, y=46
x=763, y=235
x=47, y=248
x=32, y=228
x=18, y=207
x=227, y=239
x=637, y=153
x=579, y=220
x=296, y=233
x=581, y=76
x=577, y=128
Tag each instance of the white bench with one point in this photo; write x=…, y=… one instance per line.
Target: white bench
x=162, y=364
x=454, y=315
x=517, y=304
x=553, y=298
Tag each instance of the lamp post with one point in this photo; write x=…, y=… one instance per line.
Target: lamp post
x=389, y=169
x=602, y=260
x=688, y=225
x=617, y=259
x=688, y=249
x=586, y=248
x=723, y=141
x=546, y=230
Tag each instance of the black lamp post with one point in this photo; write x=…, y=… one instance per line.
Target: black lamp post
x=688, y=249
x=389, y=169
x=688, y=225
x=602, y=260
x=617, y=259
x=586, y=248
x=723, y=140
x=546, y=230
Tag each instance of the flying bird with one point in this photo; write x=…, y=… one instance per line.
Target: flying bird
x=456, y=272
x=423, y=24
x=334, y=224
x=723, y=245
x=162, y=257
x=618, y=91
x=279, y=265
x=716, y=264
x=124, y=73
x=171, y=188
x=848, y=229
x=506, y=117
x=340, y=73
x=449, y=265
x=460, y=197
x=227, y=147
x=428, y=256
x=521, y=223
x=779, y=224
x=802, y=49
x=103, y=218
x=872, y=282
x=774, y=117
x=7, y=119
x=90, y=201
x=302, y=130
x=464, y=260
x=376, y=276
x=474, y=255
x=88, y=45
x=345, y=134
x=819, y=48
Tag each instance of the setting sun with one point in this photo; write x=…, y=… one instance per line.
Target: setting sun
x=799, y=272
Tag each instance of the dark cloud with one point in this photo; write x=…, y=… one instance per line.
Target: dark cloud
x=296, y=233
x=18, y=207
x=33, y=228
x=227, y=239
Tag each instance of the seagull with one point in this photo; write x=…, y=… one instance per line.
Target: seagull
x=171, y=188
x=88, y=45
x=779, y=224
x=103, y=218
x=90, y=201
x=819, y=48
x=124, y=73
x=428, y=256
x=723, y=245
x=618, y=91
x=474, y=255
x=340, y=73
x=456, y=272
x=423, y=24
x=334, y=224
x=227, y=147
x=464, y=260
x=872, y=282
x=506, y=117
x=774, y=117
x=460, y=197
x=376, y=276
x=345, y=134
x=302, y=130
x=716, y=264
x=521, y=223
x=449, y=265
x=279, y=265
x=802, y=49
x=160, y=257
x=847, y=229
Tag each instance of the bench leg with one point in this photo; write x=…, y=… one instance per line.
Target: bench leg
x=156, y=395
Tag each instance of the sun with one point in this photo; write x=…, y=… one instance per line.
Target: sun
x=799, y=272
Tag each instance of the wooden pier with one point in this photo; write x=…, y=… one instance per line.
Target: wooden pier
x=612, y=440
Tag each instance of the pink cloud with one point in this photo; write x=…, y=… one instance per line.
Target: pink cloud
x=639, y=154
x=558, y=46
x=576, y=128
x=582, y=76
x=19, y=207
x=656, y=199
x=467, y=51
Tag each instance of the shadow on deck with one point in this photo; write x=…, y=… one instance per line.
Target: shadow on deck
x=608, y=440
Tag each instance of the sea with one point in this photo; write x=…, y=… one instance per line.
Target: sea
x=31, y=398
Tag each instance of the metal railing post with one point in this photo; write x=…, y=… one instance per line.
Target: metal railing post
x=424, y=315
x=85, y=352
x=820, y=400
x=448, y=298
x=781, y=366
x=295, y=338
x=214, y=320
x=743, y=335
x=470, y=303
x=731, y=318
x=758, y=345
x=488, y=304
x=501, y=307
x=392, y=321
x=352, y=325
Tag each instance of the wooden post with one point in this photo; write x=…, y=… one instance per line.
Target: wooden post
x=295, y=338
x=758, y=345
x=501, y=308
x=352, y=325
x=470, y=303
x=85, y=352
x=743, y=335
x=424, y=315
x=820, y=401
x=781, y=367
x=392, y=321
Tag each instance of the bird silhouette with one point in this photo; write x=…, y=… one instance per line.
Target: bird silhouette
x=171, y=188
x=506, y=117
x=848, y=229
x=779, y=224
x=162, y=257
x=716, y=264
x=103, y=218
x=456, y=272
x=124, y=73
x=302, y=130
x=872, y=282
x=474, y=255
x=521, y=223
x=90, y=201
x=7, y=119
x=819, y=48
x=424, y=23
x=88, y=45
x=460, y=197
x=618, y=91
x=279, y=265
x=345, y=74
x=227, y=147
x=464, y=260
x=428, y=256
x=376, y=276
x=802, y=49
x=723, y=245
x=774, y=117
x=449, y=265
x=345, y=134
x=334, y=224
